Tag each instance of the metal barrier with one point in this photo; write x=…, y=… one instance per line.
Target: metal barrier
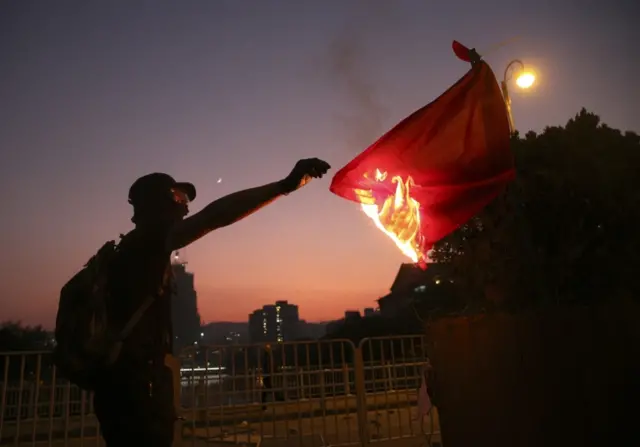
x=318, y=393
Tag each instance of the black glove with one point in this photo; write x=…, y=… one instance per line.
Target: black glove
x=303, y=172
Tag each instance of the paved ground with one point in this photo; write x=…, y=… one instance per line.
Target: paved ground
x=313, y=423
x=385, y=429
x=382, y=425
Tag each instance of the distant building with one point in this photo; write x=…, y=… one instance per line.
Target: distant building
x=311, y=331
x=256, y=330
x=351, y=318
x=225, y=333
x=274, y=323
x=369, y=312
x=352, y=315
x=233, y=338
x=184, y=306
x=409, y=281
x=334, y=326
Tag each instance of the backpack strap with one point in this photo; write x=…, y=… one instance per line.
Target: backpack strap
x=115, y=349
x=135, y=318
x=148, y=301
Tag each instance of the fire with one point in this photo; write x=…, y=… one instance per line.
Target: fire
x=398, y=216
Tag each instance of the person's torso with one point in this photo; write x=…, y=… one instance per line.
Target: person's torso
x=142, y=269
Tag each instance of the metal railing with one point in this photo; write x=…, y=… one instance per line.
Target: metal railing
x=309, y=393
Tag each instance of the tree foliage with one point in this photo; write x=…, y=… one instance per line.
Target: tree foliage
x=15, y=362
x=565, y=231
x=16, y=337
x=377, y=326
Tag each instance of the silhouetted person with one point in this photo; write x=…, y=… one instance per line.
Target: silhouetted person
x=267, y=375
x=134, y=400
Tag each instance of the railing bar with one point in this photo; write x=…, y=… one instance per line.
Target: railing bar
x=5, y=385
x=388, y=383
x=82, y=416
x=323, y=396
x=67, y=405
x=36, y=398
x=300, y=385
x=403, y=353
x=206, y=393
x=334, y=394
x=52, y=398
x=20, y=392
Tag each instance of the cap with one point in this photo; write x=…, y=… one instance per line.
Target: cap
x=153, y=185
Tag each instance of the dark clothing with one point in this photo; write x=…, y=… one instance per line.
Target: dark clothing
x=134, y=400
x=267, y=360
x=135, y=407
x=142, y=269
x=267, y=384
x=266, y=388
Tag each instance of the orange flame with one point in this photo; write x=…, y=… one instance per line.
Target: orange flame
x=398, y=217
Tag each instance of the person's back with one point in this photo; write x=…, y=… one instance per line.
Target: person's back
x=134, y=401
x=142, y=269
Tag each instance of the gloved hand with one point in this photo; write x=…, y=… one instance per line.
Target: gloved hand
x=303, y=172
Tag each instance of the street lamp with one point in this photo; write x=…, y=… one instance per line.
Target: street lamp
x=524, y=80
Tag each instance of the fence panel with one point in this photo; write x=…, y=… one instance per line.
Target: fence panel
x=311, y=393
x=393, y=371
x=298, y=392
x=38, y=408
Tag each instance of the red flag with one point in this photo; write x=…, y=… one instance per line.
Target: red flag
x=461, y=51
x=438, y=167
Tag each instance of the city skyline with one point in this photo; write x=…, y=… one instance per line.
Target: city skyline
x=229, y=95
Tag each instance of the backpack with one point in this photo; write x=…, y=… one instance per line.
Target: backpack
x=86, y=345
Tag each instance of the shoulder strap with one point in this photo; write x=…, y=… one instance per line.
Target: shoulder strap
x=135, y=318
x=148, y=301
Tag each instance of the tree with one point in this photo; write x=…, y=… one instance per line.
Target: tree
x=15, y=339
x=565, y=231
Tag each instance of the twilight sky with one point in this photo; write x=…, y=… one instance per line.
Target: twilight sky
x=95, y=93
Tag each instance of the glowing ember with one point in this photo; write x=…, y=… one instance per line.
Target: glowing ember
x=398, y=217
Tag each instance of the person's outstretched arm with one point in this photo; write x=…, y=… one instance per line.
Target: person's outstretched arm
x=238, y=205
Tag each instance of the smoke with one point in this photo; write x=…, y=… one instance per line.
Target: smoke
x=351, y=71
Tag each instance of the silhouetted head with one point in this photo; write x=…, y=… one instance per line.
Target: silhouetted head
x=158, y=199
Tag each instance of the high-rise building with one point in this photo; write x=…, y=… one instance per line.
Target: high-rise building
x=274, y=323
x=256, y=334
x=184, y=306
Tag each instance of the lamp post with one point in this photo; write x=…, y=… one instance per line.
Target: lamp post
x=524, y=80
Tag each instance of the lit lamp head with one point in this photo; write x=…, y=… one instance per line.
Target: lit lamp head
x=525, y=80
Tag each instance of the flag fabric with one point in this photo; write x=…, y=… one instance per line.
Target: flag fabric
x=456, y=150
x=461, y=51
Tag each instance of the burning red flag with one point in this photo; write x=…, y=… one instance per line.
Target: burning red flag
x=438, y=167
